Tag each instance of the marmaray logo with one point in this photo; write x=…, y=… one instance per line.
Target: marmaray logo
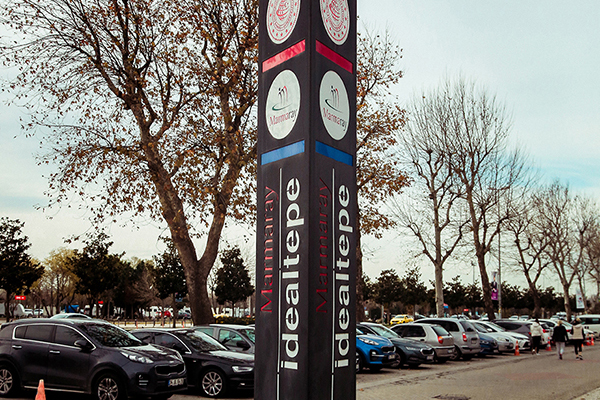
x=334, y=100
x=283, y=104
x=283, y=100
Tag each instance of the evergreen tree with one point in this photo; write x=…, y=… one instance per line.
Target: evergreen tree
x=17, y=270
x=233, y=281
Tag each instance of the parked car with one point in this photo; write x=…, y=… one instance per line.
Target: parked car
x=434, y=335
x=489, y=344
x=524, y=327
x=86, y=356
x=591, y=322
x=466, y=339
x=506, y=343
x=522, y=340
x=409, y=352
x=374, y=352
x=183, y=314
x=235, y=337
x=70, y=316
x=211, y=367
x=401, y=319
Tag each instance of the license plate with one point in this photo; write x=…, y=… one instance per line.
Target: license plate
x=176, y=382
x=429, y=357
x=450, y=351
x=392, y=356
x=473, y=340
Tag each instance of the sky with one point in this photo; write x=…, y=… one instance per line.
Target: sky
x=541, y=58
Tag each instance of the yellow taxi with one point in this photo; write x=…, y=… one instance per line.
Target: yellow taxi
x=401, y=319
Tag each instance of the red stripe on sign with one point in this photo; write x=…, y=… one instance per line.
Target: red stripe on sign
x=333, y=56
x=285, y=55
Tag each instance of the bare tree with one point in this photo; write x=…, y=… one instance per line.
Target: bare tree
x=147, y=109
x=567, y=235
x=476, y=140
x=530, y=240
x=378, y=174
x=586, y=219
x=433, y=216
x=593, y=257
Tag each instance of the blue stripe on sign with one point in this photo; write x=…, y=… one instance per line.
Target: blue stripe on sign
x=282, y=153
x=334, y=153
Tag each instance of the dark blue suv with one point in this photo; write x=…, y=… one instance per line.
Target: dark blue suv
x=86, y=356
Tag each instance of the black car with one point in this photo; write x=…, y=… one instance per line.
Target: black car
x=211, y=367
x=409, y=352
x=86, y=356
x=234, y=337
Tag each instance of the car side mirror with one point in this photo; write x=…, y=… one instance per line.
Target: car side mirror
x=243, y=345
x=84, y=345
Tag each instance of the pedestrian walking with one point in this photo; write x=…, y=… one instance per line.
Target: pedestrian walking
x=578, y=338
x=559, y=336
x=536, y=336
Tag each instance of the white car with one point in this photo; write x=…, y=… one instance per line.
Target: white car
x=522, y=340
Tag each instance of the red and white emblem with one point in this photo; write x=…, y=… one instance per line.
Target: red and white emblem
x=336, y=18
x=282, y=16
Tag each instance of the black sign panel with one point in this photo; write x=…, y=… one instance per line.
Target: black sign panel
x=306, y=246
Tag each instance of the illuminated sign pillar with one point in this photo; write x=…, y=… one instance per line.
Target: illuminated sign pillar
x=306, y=244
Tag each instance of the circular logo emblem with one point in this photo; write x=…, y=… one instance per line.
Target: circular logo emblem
x=336, y=18
x=282, y=16
x=283, y=104
x=335, y=108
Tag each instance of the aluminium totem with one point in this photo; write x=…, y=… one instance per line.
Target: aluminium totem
x=306, y=245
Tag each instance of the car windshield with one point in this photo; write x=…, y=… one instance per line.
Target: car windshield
x=249, y=332
x=495, y=328
x=383, y=331
x=200, y=341
x=110, y=336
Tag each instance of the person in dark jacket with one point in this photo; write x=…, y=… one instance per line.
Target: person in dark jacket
x=560, y=338
x=578, y=338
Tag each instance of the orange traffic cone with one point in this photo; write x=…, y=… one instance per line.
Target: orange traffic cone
x=592, y=340
x=548, y=347
x=41, y=392
x=517, y=349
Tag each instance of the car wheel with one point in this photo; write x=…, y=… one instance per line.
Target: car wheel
x=360, y=365
x=8, y=381
x=108, y=387
x=212, y=383
x=401, y=359
x=456, y=355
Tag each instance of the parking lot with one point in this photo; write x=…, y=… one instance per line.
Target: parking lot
x=493, y=377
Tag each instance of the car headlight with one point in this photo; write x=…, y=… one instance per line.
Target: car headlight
x=136, y=358
x=368, y=341
x=238, y=368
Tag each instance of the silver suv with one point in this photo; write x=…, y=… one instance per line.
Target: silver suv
x=466, y=338
x=434, y=335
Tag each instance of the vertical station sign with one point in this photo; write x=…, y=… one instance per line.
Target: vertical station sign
x=306, y=245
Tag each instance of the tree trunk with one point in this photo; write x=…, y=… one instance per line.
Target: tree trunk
x=537, y=303
x=567, y=301
x=485, y=286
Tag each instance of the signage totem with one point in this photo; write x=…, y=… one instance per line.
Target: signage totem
x=307, y=203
